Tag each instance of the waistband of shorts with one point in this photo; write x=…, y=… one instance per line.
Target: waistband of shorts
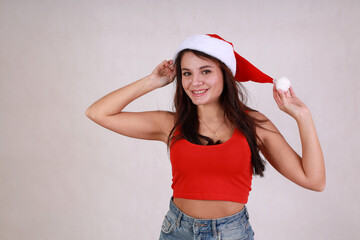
x=177, y=211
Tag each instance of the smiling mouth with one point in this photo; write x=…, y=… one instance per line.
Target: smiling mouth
x=199, y=93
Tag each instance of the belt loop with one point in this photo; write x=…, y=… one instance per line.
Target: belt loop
x=178, y=219
x=213, y=226
x=246, y=213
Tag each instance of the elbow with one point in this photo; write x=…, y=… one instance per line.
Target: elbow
x=88, y=113
x=319, y=187
x=94, y=115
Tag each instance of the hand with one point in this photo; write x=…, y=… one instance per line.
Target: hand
x=164, y=73
x=289, y=103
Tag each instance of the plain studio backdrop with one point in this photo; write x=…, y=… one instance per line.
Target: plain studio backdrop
x=64, y=177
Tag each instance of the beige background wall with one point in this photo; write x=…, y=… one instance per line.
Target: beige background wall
x=64, y=177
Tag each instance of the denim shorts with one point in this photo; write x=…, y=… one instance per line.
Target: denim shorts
x=178, y=225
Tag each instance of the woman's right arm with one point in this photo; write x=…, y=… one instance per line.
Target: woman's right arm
x=150, y=125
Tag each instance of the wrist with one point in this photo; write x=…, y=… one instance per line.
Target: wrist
x=152, y=82
x=303, y=115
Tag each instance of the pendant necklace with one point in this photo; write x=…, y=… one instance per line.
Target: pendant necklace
x=214, y=132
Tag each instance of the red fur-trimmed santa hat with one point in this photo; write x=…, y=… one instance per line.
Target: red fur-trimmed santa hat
x=223, y=50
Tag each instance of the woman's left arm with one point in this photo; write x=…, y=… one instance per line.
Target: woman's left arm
x=309, y=170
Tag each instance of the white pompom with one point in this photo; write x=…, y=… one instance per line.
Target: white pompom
x=282, y=83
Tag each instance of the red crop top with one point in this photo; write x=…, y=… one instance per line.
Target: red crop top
x=214, y=172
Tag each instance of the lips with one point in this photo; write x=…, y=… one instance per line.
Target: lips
x=199, y=93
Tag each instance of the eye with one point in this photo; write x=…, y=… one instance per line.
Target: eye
x=186, y=73
x=206, y=71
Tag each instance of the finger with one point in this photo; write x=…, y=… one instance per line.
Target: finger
x=173, y=75
x=292, y=92
x=162, y=64
x=276, y=95
x=277, y=98
x=275, y=91
x=281, y=94
x=287, y=94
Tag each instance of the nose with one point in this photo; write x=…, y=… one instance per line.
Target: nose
x=197, y=80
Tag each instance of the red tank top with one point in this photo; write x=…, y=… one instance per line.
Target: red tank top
x=214, y=172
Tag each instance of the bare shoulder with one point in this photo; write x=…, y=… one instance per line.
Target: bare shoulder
x=265, y=129
x=167, y=121
x=258, y=115
x=167, y=118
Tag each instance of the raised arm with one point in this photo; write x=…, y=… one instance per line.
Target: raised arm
x=150, y=125
x=307, y=171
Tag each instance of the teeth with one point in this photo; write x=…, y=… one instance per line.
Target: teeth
x=198, y=92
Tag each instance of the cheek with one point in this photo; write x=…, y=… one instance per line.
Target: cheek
x=221, y=82
x=218, y=84
x=185, y=84
x=222, y=86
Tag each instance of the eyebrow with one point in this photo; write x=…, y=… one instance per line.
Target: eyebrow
x=199, y=68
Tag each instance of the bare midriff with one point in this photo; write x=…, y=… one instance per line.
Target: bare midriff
x=207, y=209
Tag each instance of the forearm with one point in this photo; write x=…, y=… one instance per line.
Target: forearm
x=117, y=100
x=312, y=156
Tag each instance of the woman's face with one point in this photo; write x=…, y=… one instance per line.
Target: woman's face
x=202, y=79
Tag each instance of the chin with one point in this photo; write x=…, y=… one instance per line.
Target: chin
x=203, y=100
x=199, y=103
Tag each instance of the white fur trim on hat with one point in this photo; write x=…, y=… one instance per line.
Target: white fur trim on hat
x=213, y=47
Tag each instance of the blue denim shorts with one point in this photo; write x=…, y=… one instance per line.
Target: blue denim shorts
x=178, y=225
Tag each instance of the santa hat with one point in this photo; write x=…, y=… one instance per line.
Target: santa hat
x=223, y=50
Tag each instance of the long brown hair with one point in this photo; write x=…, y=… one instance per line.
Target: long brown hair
x=232, y=101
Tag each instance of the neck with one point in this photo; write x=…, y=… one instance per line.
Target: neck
x=210, y=113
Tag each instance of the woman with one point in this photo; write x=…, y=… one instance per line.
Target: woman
x=214, y=138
